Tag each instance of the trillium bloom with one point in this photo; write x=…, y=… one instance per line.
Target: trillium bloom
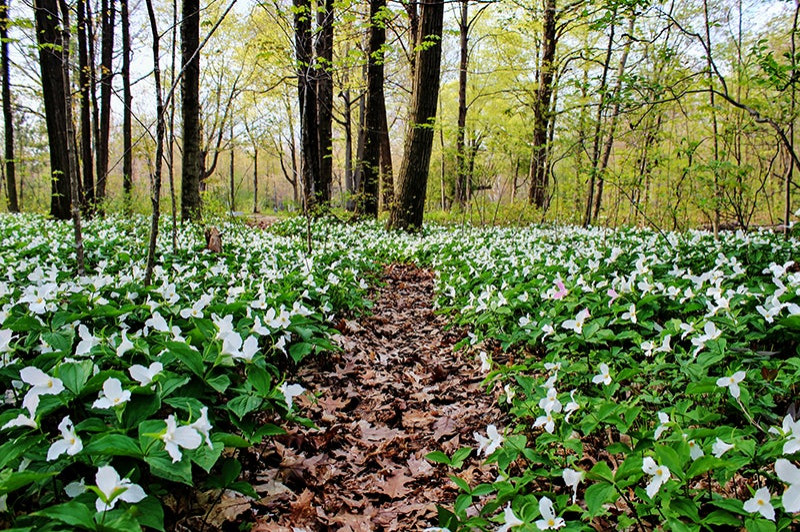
x=549, y=521
x=88, y=341
x=720, y=447
x=732, y=383
x=548, y=330
x=489, y=443
x=486, y=363
x=663, y=418
x=789, y=473
x=604, y=377
x=572, y=406
x=695, y=451
x=290, y=391
x=630, y=315
x=115, y=489
x=69, y=443
x=5, y=340
x=577, y=324
x=572, y=478
x=112, y=394
x=145, y=375
x=204, y=426
x=22, y=420
x=41, y=384
x=760, y=503
x=510, y=393
x=791, y=430
x=509, y=519
x=562, y=290
x=176, y=437
x=550, y=402
x=157, y=322
x=660, y=474
x=125, y=345
x=547, y=421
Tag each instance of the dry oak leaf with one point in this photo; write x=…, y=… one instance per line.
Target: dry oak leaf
x=395, y=486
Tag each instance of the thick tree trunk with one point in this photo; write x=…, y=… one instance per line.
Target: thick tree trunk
x=192, y=167
x=543, y=112
x=85, y=86
x=386, y=177
x=714, y=126
x=8, y=116
x=462, y=188
x=369, y=162
x=324, y=93
x=307, y=100
x=50, y=62
x=106, y=77
x=127, y=101
x=412, y=180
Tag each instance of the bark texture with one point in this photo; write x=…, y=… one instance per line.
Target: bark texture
x=191, y=171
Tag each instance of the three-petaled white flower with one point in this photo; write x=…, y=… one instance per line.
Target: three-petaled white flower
x=509, y=519
x=572, y=406
x=203, y=426
x=791, y=430
x=125, y=344
x=630, y=314
x=720, y=447
x=695, y=451
x=732, y=383
x=549, y=521
x=145, y=375
x=487, y=444
x=41, y=384
x=760, y=503
x=115, y=489
x=69, y=443
x=486, y=363
x=604, y=376
x=789, y=473
x=663, y=418
x=572, y=478
x=660, y=474
x=550, y=402
x=176, y=437
x=577, y=324
x=290, y=391
x=547, y=421
x=112, y=394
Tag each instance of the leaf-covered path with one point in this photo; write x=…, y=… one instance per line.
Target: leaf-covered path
x=394, y=393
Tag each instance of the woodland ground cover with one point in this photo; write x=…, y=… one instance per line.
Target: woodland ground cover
x=650, y=377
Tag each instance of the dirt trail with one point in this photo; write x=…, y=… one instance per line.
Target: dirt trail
x=396, y=392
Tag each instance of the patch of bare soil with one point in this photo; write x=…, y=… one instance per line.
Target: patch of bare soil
x=396, y=392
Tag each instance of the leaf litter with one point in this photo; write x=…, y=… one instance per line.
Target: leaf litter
x=395, y=392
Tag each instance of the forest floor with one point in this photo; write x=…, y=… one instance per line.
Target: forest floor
x=395, y=392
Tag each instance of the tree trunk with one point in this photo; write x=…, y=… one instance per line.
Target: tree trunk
x=191, y=171
x=232, y=176
x=8, y=116
x=307, y=101
x=155, y=193
x=85, y=85
x=714, y=126
x=538, y=193
x=127, y=101
x=324, y=104
x=50, y=62
x=348, y=149
x=369, y=162
x=461, y=189
x=386, y=175
x=408, y=209
x=106, y=77
x=255, y=179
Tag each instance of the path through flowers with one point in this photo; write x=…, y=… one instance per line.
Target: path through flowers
x=395, y=393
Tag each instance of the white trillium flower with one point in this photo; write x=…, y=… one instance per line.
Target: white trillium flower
x=660, y=474
x=572, y=478
x=115, y=489
x=22, y=420
x=663, y=418
x=509, y=519
x=630, y=315
x=695, y=451
x=549, y=521
x=290, y=391
x=789, y=473
x=157, y=322
x=510, y=393
x=720, y=447
x=486, y=363
x=550, y=402
x=69, y=443
x=41, y=384
x=489, y=443
x=546, y=421
x=604, y=377
x=577, y=324
x=88, y=341
x=112, y=394
x=572, y=406
x=145, y=375
x=791, y=430
x=732, y=383
x=203, y=426
x=176, y=437
x=760, y=503
x=125, y=345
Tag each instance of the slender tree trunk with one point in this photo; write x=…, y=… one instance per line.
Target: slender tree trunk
x=462, y=187
x=609, y=142
x=84, y=82
x=127, y=102
x=72, y=173
x=787, y=187
x=714, y=126
x=538, y=175
x=232, y=176
x=349, y=184
x=171, y=134
x=90, y=36
x=8, y=116
x=160, y=127
x=412, y=180
x=307, y=101
x=369, y=162
x=324, y=104
x=255, y=179
x=50, y=61
x=192, y=167
x=386, y=175
x=107, y=75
